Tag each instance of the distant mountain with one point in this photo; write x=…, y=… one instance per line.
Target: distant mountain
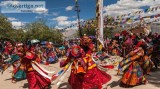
x=70, y=33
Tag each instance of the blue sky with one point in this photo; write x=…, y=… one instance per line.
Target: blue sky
x=61, y=14
x=57, y=8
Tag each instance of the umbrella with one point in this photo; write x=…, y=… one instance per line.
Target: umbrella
x=62, y=48
x=43, y=42
x=34, y=41
x=50, y=42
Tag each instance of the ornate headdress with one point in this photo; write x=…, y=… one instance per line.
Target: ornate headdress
x=85, y=41
x=77, y=51
x=19, y=44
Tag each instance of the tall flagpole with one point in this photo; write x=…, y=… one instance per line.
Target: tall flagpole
x=78, y=10
x=99, y=18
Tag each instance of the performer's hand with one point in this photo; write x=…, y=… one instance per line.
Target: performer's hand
x=22, y=67
x=118, y=72
x=54, y=77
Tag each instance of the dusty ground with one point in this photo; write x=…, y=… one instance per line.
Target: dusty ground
x=5, y=81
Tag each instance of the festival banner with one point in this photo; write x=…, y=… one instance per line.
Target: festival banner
x=117, y=22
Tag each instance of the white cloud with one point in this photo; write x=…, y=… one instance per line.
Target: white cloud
x=69, y=8
x=15, y=2
x=5, y=3
x=137, y=4
x=12, y=19
x=40, y=10
x=17, y=24
x=58, y=27
x=55, y=13
x=38, y=17
x=61, y=18
x=66, y=23
x=129, y=6
x=74, y=17
x=61, y=24
x=116, y=13
x=62, y=21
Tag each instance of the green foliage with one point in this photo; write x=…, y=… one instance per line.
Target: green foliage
x=5, y=26
x=4, y=23
x=36, y=30
x=91, y=31
x=39, y=30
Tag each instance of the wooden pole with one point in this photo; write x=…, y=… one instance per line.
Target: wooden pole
x=78, y=17
x=99, y=18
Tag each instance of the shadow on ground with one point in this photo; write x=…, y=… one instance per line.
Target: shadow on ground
x=8, y=79
x=114, y=84
x=154, y=77
x=64, y=85
x=25, y=85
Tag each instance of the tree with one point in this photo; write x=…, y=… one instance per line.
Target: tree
x=36, y=30
x=39, y=30
x=5, y=26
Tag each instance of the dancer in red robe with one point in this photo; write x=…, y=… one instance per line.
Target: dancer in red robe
x=84, y=72
x=78, y=67
x=94, y=77
x=35, y=79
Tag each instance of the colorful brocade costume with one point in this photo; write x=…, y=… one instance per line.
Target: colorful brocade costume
x=146, y=62
x=17, y=73
x=94, y=77
x=77, y=68
x=84, y=72
x=132, y=70
x=15, y=56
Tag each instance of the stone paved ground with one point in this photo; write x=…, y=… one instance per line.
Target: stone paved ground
x=5, y=81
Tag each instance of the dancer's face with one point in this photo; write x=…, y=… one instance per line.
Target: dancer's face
x=86, y=41
x=20, y=48
x=10, y=47
x=33, y=49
